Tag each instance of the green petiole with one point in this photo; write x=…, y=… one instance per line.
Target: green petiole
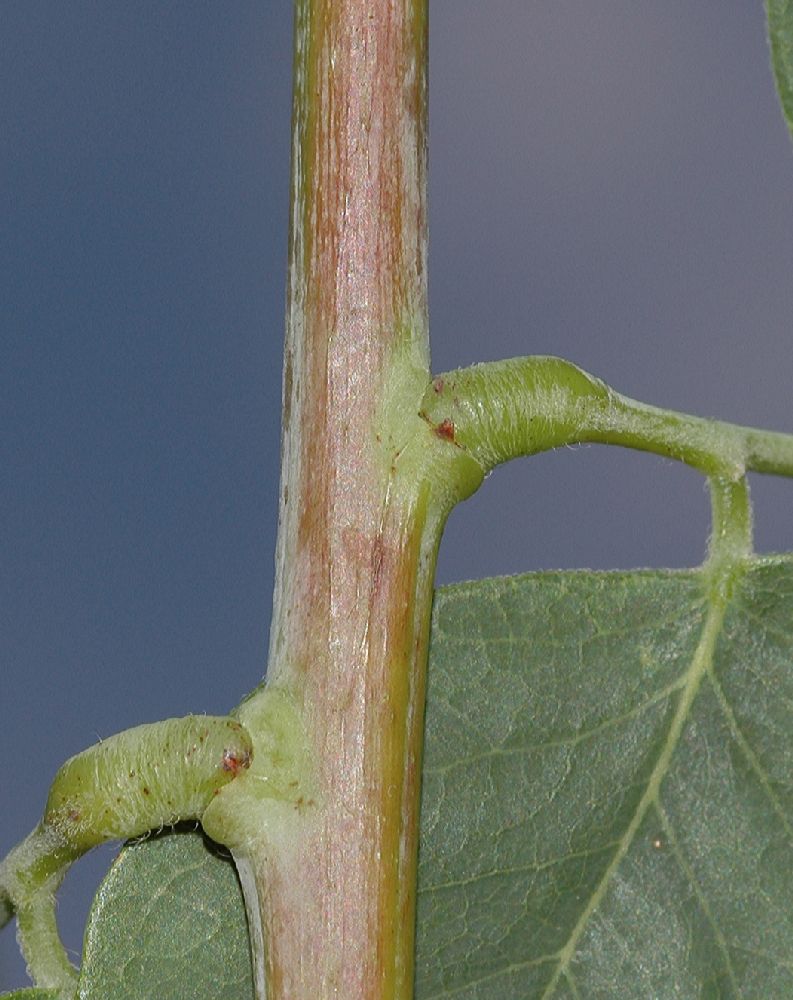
x=503, y=409
x=142, y=779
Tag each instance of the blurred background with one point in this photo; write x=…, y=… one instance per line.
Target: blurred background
x=611, y=182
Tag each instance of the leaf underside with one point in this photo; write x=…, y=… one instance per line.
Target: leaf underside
x=606, y=812
x=607, y=790
x=168, y=922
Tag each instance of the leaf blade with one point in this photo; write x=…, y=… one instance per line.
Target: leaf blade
x=509, y=941
x=169, y=922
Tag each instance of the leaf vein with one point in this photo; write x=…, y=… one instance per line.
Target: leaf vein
x=704, y=905
x=749, y=754
x=572, y=739
x=518, y=869
x=700, y=663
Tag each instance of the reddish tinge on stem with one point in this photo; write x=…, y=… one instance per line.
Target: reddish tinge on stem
x=355, y=550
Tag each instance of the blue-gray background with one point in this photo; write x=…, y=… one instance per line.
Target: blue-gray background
x=610, y=181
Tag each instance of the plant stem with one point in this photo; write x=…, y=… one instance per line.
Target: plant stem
x=374, y=456
x=324, y=825
x=333, y=872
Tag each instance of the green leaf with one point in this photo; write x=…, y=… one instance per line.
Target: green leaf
x=780, y=35
x=168, y=922
x=607, y=789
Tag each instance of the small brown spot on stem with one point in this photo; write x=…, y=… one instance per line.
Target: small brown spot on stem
x=235, y=762
x=445, y=429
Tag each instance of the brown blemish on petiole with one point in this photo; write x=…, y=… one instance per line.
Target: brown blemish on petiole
x=235, y=762
x=445, y=429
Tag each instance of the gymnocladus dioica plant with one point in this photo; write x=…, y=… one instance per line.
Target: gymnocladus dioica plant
x=313, y=783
